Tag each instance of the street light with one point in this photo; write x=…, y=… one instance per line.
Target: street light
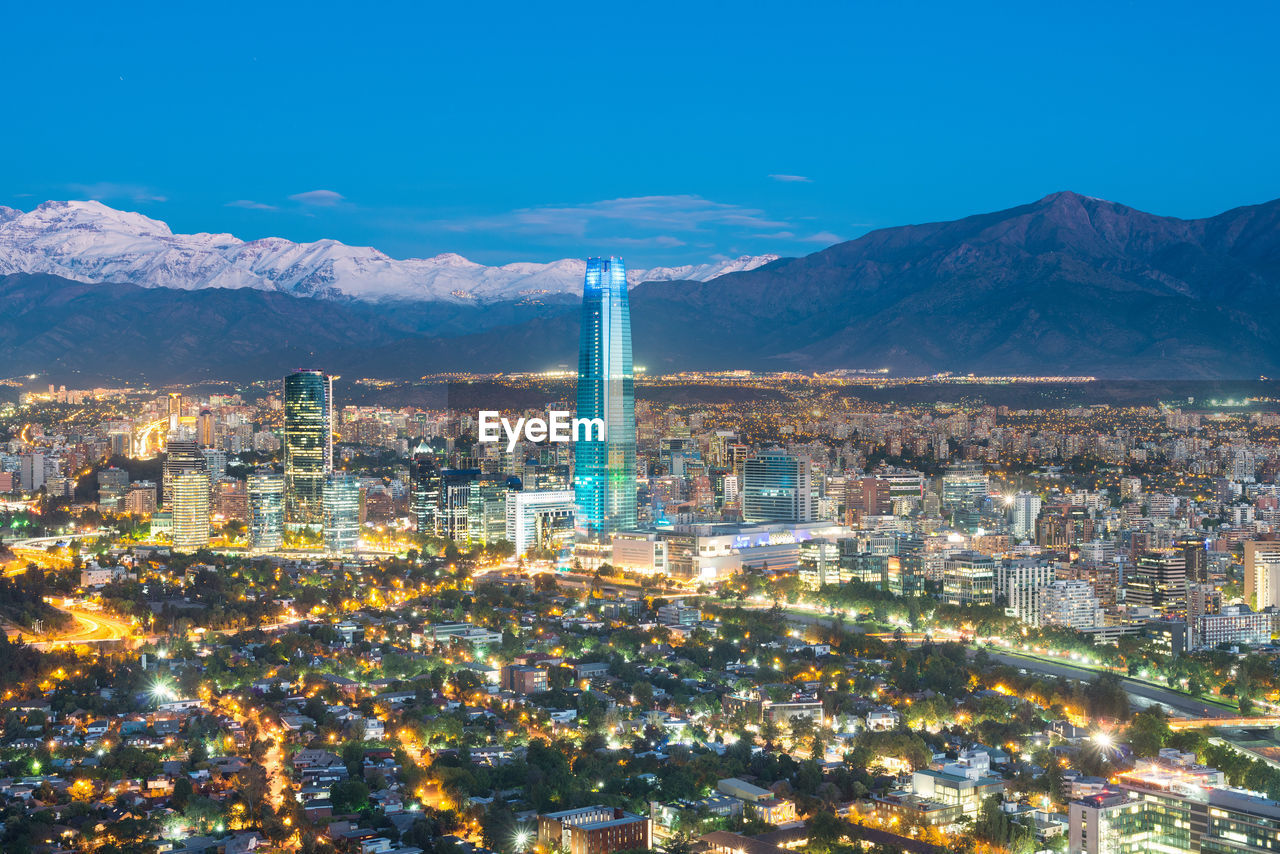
x=520, y=839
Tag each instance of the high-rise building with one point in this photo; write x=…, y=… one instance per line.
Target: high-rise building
x=113, y=483
x=424, y=497
x=1070, y=604
x=1019, y=583
x=777, y=487
x=1197, y=558
x=1159, y=581
x=1026, y=507
x=1262, y=573
x=605, y=468
x=968, y=578
x=204, y=428
x=539, y=519
x=964, y=485
x=190, y=491
x=181, y=456
x=341, y=500
x=266, y=510
x=308, y=444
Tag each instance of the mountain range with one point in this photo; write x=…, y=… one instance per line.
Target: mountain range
x=1068, y=284
x=91, y=242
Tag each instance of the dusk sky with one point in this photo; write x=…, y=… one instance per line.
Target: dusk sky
x=663, y=132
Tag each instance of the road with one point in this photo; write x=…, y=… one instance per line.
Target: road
x=93, y=628
x=1144, y=691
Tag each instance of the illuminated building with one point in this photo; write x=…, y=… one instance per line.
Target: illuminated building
x=964, y=485
x=1172, y=810
x=968, y=578
x=593, y=830
x=181, y=456
x=1262, y=573
x=777, y=487
x=230, y=499
x=341, y=513
x=266, y=510
x=113, y=483
x=605, y=468
x=140, y=498
x=1026, y=507
x=1019, y=583
x=1159, y=581
x=424, y=498
x=204, y=428
x=487, y=511
x=308, y=444
x=1070, y=604
x=190, y=510
x=540, y=519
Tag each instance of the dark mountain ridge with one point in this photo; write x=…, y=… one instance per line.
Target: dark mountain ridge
x=1065, y=285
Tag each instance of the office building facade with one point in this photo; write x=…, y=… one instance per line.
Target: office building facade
x=777, y=487
x=605, y=468
x=266, y=511
x=190, y=497
x=341, y=502
x=308, y=444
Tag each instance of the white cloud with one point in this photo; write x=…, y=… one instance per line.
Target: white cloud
x=683, y=213
x=318, y=198
x=104, y=190
x=792, y=179
x=822, y=237
x=247, y=204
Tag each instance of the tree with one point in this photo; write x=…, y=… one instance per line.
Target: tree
x=1148, y=731
x=349, y=796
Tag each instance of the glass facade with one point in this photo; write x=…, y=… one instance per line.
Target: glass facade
x=777, y=487
x=341, y=513
x=605, y=470
x=266, y=511
x=424, y=500
x=308, y=444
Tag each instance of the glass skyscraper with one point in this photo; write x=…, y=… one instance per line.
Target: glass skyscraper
x=308, y=444
x=341, y=513
x=605, y=470
x=266, y=511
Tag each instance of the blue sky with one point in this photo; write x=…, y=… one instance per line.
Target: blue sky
x=663, y=132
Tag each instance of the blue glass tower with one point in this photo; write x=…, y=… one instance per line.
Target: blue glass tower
x=604, y=478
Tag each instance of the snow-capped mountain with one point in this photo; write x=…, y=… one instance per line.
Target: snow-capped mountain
x=91, y=242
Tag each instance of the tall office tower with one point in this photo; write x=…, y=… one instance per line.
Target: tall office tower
x=204, y=429
x=1026, y=507
x=181, y=456
x=341, y=513
x=778, y=487
x=1262, y=573
x=190, y=509
x=308, y=444
x=31, y=472
x=1197, y=558
x=964, y=485
x=424, y=498
x=266, y=510
x=216, y=461
x=605, y=469
x=175, y=410
x=1159, y=581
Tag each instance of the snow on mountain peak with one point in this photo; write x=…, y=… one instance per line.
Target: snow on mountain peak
x=91, y=242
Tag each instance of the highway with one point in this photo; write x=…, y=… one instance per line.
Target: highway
x=1146, y=692
x=93, y=628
